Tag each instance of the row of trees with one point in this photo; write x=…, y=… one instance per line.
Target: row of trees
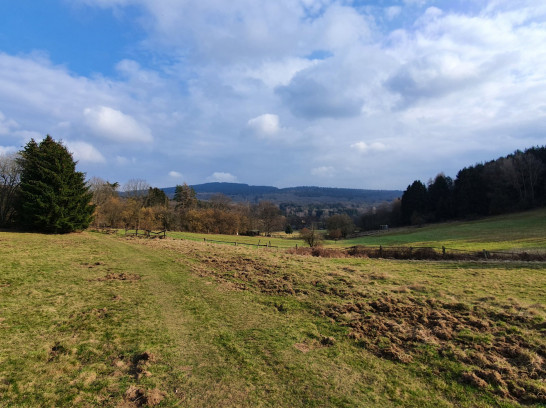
x=139, y=206
x=40, y=189
x=515, y=182
x=512, y=183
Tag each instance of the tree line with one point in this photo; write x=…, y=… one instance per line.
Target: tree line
x=512, y=183
x=41, y=190
x=140, y=206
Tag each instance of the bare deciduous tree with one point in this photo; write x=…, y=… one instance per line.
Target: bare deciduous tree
x=312, y=236
x=10, y=177
x=136, y=189
x=270, y=217
x=102, y=190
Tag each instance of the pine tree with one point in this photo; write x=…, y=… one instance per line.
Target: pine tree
x=54, y=196
x=185, y=197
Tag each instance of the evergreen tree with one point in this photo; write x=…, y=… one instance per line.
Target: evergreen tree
x=185, y=197
x=414, y=203
x=471, y=192
x=54, y=196
x=440, y=197
x=156, y=197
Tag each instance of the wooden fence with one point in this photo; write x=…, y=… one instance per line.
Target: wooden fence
x=380, y=251
x=267, y=245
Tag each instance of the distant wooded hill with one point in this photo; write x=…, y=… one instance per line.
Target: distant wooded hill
x=292, y=195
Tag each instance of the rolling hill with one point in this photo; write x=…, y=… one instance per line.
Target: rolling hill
x=291, y=195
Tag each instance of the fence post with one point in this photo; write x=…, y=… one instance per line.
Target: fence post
x=204, y=240
x=485, y=254
x=296, y=246
x=443, y=250
x=381, y=251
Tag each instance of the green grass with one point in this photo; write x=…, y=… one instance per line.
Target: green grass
x=233, y=326
x=522, y=231
x=513, y=232
x=280, y=240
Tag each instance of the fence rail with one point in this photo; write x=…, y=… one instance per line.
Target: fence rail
x=379, y=251
x=267, y=245
x=439, y=253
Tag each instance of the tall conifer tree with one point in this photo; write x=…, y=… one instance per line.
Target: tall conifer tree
x=54, y=196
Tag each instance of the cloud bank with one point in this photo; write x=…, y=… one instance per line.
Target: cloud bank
x=297, y=92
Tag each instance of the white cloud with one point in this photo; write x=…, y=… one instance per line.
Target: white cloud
x=175, y=174
x=6, y=125
x=124, y=161
x=222, y=177
x=276, y=73
x=364, y=147
x=7, y=149
x=25, y=135
x=471, y=85
x=85, y=153
x=392, y=12
x=113, y=124
x=266, y=125
x=419, y=3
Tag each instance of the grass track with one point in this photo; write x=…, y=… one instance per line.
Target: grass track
x=70, y=338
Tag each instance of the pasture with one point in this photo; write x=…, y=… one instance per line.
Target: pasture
x=100, y=320
x=512, y=232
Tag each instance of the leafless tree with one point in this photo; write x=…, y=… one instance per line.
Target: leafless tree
x=10, y=178
x=312, y=236
x=136, y=189
x=270, y=217
x=523, y=171
x=220, y=201
x=102, y=190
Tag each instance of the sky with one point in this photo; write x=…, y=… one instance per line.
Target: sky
x=336, y=93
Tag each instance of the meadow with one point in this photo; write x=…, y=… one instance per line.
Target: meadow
x=512, y=232
x=90, y=320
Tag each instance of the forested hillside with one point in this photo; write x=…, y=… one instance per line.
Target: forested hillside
x=306, y=195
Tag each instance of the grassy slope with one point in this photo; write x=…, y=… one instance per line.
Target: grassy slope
x=69, y=338
x=522, y=231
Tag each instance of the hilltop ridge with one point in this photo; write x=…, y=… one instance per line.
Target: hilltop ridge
x=302, y=195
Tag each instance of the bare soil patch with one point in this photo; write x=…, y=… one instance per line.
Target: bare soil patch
x=141, y=397
x=242, y=271
x=120, y=276
x=496, y=348
x=141, y=363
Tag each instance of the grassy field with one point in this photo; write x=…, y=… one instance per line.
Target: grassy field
x=281, y=241
x=92, y=320
x=513, y=232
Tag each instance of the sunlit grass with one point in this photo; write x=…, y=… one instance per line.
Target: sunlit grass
x=227, y=325
x=522, y=231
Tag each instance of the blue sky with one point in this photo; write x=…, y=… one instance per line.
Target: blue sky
x=364, y=94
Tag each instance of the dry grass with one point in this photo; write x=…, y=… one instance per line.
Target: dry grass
x=97, y=320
